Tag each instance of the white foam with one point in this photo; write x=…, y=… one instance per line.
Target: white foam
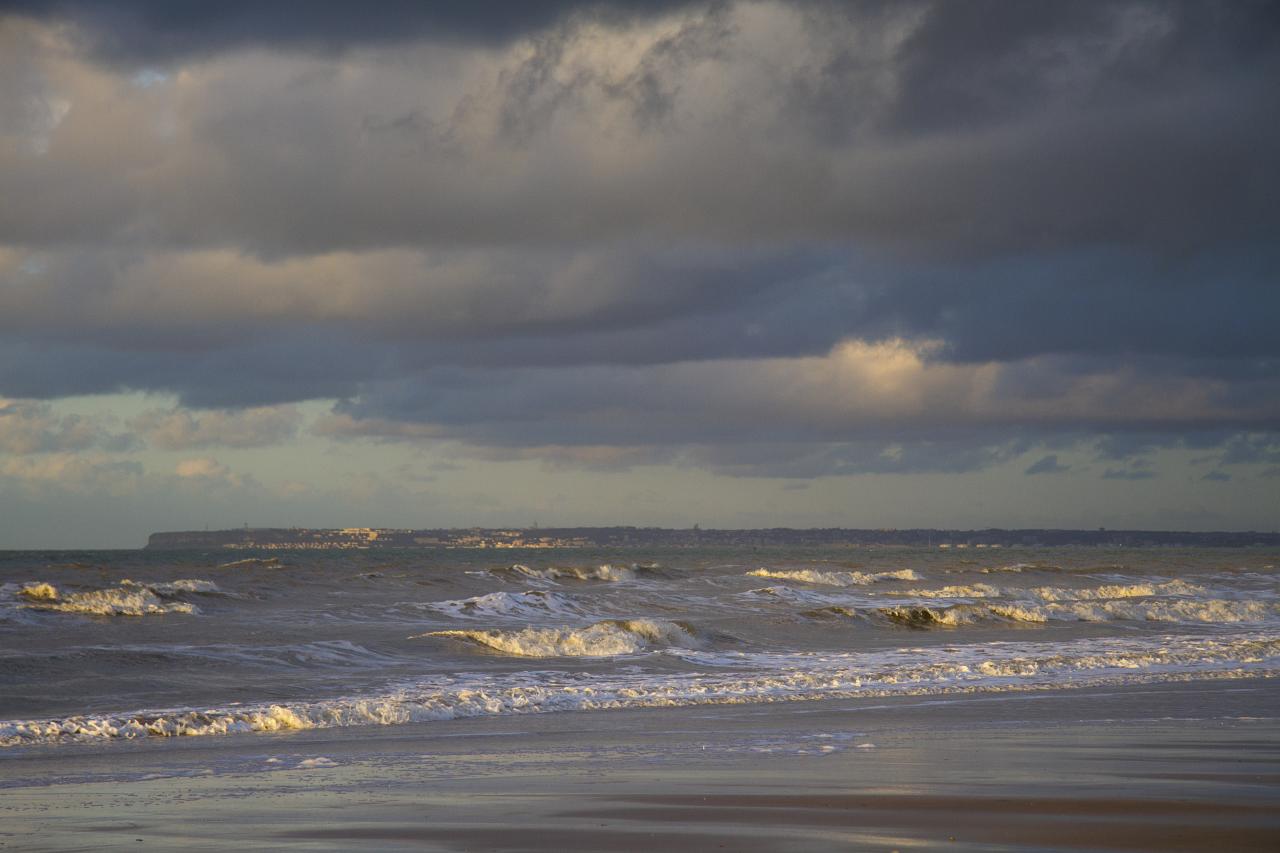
x=1213, y=610
x=752, y=677
x=533, y=603
x=39, y=592
x=977, y=590
x=1112, y=591
x=835, y=578
x=604, y=572
x=318, y=761
x=169, y=589
x=125, y=600
x=603, y=639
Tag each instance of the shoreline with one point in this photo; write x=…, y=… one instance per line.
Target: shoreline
x=1168, y=766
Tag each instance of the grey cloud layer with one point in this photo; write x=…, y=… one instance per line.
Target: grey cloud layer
x=595, y=226
x=1124, y=126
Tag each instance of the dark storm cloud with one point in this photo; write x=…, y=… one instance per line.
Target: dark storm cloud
x=637, y=305
x=290, y=368
x=880, y=390
x=142, y=31
x=1143, y=125
x=986, y=61
x=1094, y=301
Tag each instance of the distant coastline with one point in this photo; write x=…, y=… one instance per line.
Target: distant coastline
x=303, y=538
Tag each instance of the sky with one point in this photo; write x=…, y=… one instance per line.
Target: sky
x=736, y=264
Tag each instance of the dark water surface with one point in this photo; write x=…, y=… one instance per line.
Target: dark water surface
x=98, y=646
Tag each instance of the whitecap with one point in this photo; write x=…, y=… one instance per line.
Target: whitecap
x=1113, y=591
x=125, y=600
x=603, y=572
x=816, y=576
x=1213, y=610
x=169, y=589
x=602, y=639
x=528, y=604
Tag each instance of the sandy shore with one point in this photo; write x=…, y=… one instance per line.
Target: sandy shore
x=1191, y=766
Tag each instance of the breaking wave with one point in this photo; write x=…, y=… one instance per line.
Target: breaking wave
x=960, y=614
x=171, y=589
x=977, y=590
x=605, y=572
x=774, y=677
x=602, y=639
x=1213, y=610
x=39, y=592
x=529, y=604
x=1111, y=591
x=836, y=578
x=129, y=599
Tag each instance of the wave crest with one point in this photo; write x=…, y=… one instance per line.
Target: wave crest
x=506, y=604
x=125, y=600
x=602, y=639
x=172, y=589
x=1112, y=591
x=1211, y=610
x=977, y=590
x=39, y=592
x=603, y=572
x=961, y=614
x=836, y=578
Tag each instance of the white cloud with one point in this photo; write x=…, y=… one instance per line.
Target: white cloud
x=75, y=473
x=32, y=426
x=179, y=429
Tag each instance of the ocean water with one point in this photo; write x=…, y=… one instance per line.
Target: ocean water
x=103, y=646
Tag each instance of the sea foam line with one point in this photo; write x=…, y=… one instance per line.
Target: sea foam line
x=750, y=678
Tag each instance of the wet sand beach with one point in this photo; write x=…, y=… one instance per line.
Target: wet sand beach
x=1173, y=766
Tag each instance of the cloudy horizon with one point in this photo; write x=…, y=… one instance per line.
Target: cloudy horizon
x=738, y=264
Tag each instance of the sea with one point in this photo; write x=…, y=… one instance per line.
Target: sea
x=101, y=647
